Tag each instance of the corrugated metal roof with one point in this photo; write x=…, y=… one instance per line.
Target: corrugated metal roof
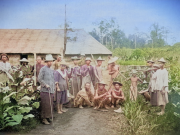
x=49, y=41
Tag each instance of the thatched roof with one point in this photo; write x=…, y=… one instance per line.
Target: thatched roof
x=49, y=41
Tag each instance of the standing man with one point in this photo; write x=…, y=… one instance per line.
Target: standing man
x=5, y=67
x=46, y=79
x=160, y=93
x=98, y=70
x=113, y=68
x=26, y=68
x=76, y=77
x=38, y=65
x=57, y=62
x=87, y=72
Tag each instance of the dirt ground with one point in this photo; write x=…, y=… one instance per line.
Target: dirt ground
x=85, y=121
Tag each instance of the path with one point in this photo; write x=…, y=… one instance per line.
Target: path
x=85, y=121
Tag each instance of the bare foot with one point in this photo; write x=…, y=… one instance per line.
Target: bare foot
x=81, y=107
x=95, y=108
x=112, y=106
x=106, y=107
x=60, y=112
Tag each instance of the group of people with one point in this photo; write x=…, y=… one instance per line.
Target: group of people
x=84, y=83
x=87, y=87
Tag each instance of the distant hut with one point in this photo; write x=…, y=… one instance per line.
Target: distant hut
x=27, y=43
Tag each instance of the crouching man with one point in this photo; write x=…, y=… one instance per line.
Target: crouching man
x=84, y=97
x=102, y=98
x=117, y=96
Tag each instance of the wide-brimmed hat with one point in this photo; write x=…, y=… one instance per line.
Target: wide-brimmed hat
x=4, y=54
x=117, y=82
x=82, y=54
x=111, y=60
x=150, y=61
x=49, y=57
x=156, y=65
x=101, y=82
x=24, y=60
x=162, y=60
x=75, y=58
x=88, y=58
x=59, y=56
x=134, y=71
x=63, y=63
x=100, y=59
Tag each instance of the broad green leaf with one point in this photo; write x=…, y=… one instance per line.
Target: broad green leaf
x=25, y=109
x=28, y=116
x=24, y=100
x=12, y=124
x=36, y=105
x=17, y=118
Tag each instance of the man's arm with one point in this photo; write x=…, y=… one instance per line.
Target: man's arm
x=41, y=78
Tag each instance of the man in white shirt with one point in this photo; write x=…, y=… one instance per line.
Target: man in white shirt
x=160, y=92
x=5, y=67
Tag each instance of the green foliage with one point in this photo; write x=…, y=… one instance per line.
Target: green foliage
x=17, y=100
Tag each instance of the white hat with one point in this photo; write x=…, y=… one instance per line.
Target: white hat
x=100, y=59
x=88, y=58
x=49, y=57
x=150, y=61
x=113, y=60
x=162, y=60
x=75, y=58
x=24, y=60
x=134, y=71
x=102, y=82
x=156, y=65
x=82, y=54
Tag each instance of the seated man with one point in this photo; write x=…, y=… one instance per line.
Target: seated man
x=84, y=97
x=117, y=95
x=102, y=97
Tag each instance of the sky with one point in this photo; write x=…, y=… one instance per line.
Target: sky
x=129, y=14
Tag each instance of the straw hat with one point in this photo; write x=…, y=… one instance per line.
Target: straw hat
x=88, y=58
x=4, y=54
x=59, y=56
x=134, y=72
x=100, y=59
x=82, y=54
x=102, y=82
x=162, y=60
x=75, y=58
x=150, y=61
x=156, y=65
x=117, y=82
x=49, y=57
x=111, y=60
x=24, y=60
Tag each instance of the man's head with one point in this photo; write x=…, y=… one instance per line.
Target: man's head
x=87, y=86
x=49, y=63
x=101, y=86
x=99, y=62
x=24, y=63
x=63, y=66
x=117, y=85
x=161, y=64
x=4, y=57
x=150, y=64
x=112, y=64
x=75, y=62
x=88, y=61
x=156, y=67
x=134, y=74
x=59, y=58
x=39, y=59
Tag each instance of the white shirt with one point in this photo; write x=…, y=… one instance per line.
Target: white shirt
x=161, y=79
x=5, y=66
